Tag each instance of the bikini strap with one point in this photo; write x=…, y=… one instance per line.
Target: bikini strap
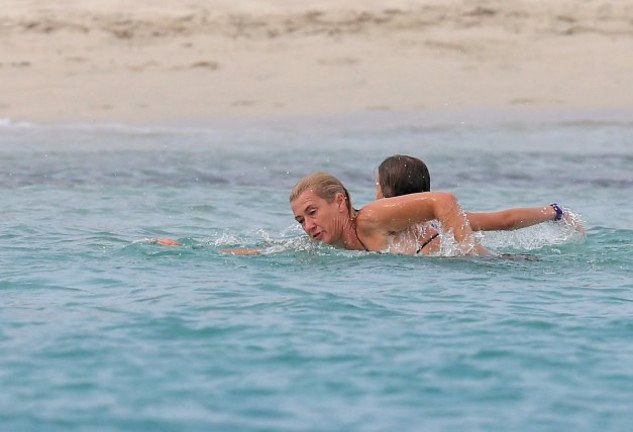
x=425, y=243
x=356, y=232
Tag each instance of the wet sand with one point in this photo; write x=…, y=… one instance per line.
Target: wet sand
x=153, y=62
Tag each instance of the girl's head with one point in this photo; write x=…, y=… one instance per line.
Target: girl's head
x=402, y=175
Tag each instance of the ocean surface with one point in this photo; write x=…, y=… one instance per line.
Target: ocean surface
x=103, y=330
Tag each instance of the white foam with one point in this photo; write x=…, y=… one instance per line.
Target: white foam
x=8, y=123
x=537, y=236
x=227, y=239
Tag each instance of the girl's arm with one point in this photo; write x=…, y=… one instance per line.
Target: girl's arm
x=399, y=213
x=516, y=218
x=511, y=219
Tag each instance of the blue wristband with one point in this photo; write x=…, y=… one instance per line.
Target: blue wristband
x=558, y=210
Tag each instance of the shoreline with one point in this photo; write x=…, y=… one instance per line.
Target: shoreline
x=155, y=63
x=361, y=121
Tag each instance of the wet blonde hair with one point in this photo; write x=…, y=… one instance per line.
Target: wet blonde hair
x=324, y=185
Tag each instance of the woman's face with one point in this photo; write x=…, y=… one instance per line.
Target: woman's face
x=318, y=218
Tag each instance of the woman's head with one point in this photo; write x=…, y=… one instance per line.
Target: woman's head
x=324, y=185
x=322, y=205
x=402, y=175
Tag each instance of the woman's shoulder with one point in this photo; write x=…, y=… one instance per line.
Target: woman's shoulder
x=371, y=217
x=381, y=208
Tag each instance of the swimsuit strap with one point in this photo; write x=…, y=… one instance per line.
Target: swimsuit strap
x=425, y=243
x=356, y=232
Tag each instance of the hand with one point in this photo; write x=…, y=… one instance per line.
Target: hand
x=573, y=221
x=167, y=242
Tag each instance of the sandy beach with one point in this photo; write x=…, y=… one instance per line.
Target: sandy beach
x=196, y=61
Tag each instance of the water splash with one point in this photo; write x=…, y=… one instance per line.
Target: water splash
x=568, y=230
x=227, y=239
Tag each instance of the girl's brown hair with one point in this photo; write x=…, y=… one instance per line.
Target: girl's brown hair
x=403, y=175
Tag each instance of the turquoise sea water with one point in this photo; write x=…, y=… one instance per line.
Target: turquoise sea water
x=102, y=330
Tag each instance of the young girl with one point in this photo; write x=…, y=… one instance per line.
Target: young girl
x=401, y=175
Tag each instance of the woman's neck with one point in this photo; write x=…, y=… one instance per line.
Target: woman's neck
x=351, y=239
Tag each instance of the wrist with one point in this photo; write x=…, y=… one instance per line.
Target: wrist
x=559, y=211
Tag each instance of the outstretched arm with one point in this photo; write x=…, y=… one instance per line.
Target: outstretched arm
x=172, y=242
x=241, y=251
x=517, y=218
x=399, y=213
x=510, y=219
